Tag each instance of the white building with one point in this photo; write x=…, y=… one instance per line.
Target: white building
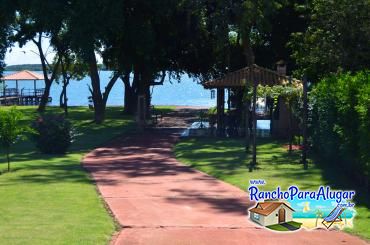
x=271, y=213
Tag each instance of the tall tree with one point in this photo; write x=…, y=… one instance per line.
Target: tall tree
x=7, y=18
x=273, y=46
x=87, y=24
x=37, y=20
x=156, y=38
x=337, y=38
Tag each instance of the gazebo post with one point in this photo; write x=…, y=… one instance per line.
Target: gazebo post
x=271, y=119
x=254, y=159
x=34, y=88
x=228, y=99
x=4, y=89
x=247, y=119
x=220, y=112
x=16, y=91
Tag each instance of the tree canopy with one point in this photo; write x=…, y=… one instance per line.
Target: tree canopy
x=337, y=38
x=142, y=41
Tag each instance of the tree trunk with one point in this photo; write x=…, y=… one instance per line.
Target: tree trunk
x=45, y=96
x=45, y=67
x=63, y=95
x=305, y=121
x=290, y=129
x=250, y=59
x=99, y=108
x=247, y=49
x=130, y=99
x=143, y=88
x=65, y=99
x=8, y=158
x=148, y=101
x=61, y=98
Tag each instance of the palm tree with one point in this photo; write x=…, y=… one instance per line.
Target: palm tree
x=319, y=214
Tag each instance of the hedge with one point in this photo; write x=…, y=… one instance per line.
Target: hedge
x=340, y=122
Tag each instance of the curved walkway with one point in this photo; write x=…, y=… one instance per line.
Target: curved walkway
x=158, y=200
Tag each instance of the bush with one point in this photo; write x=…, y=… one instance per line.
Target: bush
x=341, y=121
x=11, y=130
x=53, y=134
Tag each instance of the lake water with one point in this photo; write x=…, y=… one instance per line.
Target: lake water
x=187, y=92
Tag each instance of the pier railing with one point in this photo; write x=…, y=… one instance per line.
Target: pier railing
x=12, y=96
x=32, y=92
x=9, y=92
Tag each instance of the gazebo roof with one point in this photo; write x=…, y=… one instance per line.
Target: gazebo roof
x=23, y=75
x=246, y=76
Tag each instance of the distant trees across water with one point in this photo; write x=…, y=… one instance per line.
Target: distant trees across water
x=37, y=67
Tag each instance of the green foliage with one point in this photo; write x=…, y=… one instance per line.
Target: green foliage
x=53, y=133
x=7, y=13
x=292, y=95
x=11, y=130
x=337, y=38
x=212, y=111
x=341, y=121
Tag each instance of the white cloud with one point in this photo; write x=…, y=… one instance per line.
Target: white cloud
x=28, y=54
x=302, y=204
x=320, y=207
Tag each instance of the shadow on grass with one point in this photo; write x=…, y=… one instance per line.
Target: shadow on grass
x=338, y=178
x=227, y=156
x=89, y=135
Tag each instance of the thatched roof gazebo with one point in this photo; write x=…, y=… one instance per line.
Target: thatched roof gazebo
x=248, y=75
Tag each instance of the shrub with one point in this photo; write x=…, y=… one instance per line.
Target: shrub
x=53, y=133
x=212, y=116
x=11, y=130
x=341, y=122
x=212, y=111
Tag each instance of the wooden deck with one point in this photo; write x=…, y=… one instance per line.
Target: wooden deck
x=22, y=97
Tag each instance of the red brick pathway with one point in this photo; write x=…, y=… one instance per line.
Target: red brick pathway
x=158, y=200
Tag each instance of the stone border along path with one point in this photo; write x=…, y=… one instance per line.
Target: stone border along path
x=158, y=200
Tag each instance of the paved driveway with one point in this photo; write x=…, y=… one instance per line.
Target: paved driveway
x=158, y=200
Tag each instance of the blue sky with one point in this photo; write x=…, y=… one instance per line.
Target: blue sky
x=28, y=54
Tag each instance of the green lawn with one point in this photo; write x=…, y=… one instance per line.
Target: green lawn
x=50, y=199
x=226, y=159
x=279, y=227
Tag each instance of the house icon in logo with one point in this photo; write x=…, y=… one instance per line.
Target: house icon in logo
x=271, y=212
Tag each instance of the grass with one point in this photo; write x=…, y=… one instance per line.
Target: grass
x=295, y=224
x=279, y=227
x=50, y=199
x=226, y=159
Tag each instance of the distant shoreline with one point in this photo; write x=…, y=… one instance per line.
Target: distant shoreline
x=185, y=93
x=37, y=67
